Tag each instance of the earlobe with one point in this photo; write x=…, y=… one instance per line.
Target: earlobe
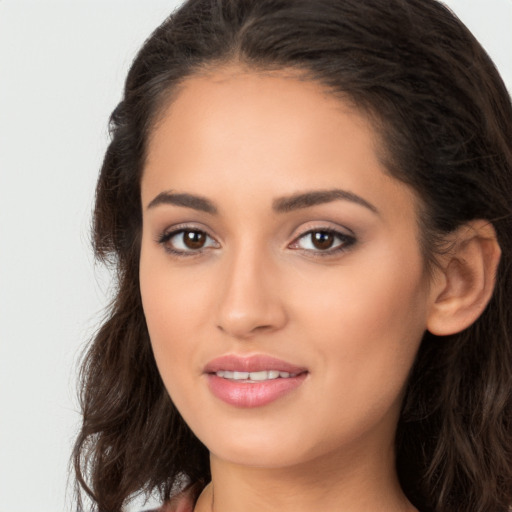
x=468, y=278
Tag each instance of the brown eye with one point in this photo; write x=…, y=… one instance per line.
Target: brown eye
x=187, y=242
x=322, y=240
x=194, y=239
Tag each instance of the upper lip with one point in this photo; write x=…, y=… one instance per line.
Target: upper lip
x=253, y=363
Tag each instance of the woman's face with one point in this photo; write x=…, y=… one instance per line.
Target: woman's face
x=281, y=274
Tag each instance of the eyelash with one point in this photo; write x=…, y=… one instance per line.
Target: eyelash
x=345, y=242
x=166, y=237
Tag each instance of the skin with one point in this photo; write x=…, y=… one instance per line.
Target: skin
x=353, y=318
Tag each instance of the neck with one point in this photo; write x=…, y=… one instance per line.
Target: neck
x=338, y=483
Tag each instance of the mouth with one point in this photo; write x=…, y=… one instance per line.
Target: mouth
x=252, y=381
x=252, y=377
x=256, y=365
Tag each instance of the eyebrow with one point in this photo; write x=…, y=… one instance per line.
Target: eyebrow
x=279, y=205
x=187, y=200
x=316, y=197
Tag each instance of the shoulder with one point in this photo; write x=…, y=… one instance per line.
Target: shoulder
x=184, y=501
x=179, y=503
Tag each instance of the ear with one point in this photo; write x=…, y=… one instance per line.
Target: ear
x=467, y=278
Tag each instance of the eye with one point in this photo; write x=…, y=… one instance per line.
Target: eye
x=187, y=241
x=327, y=241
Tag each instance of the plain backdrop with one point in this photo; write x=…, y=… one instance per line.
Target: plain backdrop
x=62, y=65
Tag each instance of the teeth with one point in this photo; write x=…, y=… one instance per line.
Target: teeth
x=254, y=376
x=260, y=375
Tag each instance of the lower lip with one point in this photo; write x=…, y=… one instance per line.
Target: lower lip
x=252, y=394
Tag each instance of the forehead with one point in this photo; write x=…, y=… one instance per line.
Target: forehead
x=256, y=110
x=276, y=132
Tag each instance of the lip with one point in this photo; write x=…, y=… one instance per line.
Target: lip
x=252, y=394
x=253, y=363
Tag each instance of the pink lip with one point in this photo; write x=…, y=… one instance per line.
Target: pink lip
x=252, y=394
x=254, y=363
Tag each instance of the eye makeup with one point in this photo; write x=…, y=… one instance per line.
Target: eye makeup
x=186, y=241
x=323, y=242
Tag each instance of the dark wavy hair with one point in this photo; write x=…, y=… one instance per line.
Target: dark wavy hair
x=445, y=119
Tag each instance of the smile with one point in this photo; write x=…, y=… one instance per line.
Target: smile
x=254, y=376
x=252, y=381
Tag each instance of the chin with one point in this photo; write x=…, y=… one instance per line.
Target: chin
x=257, y=457
x=256, y=449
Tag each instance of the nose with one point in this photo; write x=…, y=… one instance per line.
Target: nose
x=251, y=298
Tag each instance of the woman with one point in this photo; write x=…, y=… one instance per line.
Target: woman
x=309, y=208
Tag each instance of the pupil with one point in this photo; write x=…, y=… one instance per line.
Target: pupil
x=194, y=239
x=323, y=239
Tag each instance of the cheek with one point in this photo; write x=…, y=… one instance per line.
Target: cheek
x=376, y=292
x=173, y=298
x=168, y=310
x=173, y=306
x=367, y=320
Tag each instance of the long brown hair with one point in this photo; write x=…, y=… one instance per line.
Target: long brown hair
x=445, y=118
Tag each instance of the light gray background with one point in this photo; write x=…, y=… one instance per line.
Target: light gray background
x=62, y=64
